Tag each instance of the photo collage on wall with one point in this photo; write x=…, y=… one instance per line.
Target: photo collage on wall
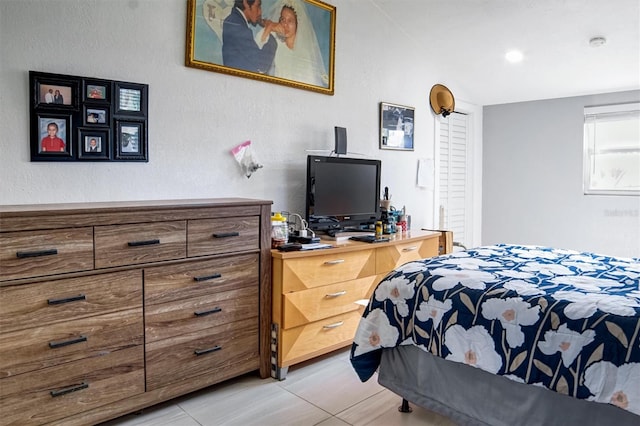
x=87, y=119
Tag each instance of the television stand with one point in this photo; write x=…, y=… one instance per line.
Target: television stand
x=315, y=292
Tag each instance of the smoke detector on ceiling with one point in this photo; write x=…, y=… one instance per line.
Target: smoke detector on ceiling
x=597, y=41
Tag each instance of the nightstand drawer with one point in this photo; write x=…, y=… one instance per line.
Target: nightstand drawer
x=390, y=257
x=204, y=352
x=38, y=253
x=224, y=235
x=62, y=300
x=120, y=245
x=190, y=315
x=50, y=345
x=305, y=342
x=50, y=394
x=315, y=271
x=198, y=279
x=302, y=307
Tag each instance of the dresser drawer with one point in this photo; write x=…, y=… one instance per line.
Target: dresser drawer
x=38, y=253
x=305, y=342
x=315, y=271
x=224, y=235
x=33, y=305
x=197, y=279
x=390, y=257
x=302, y=307
x=120, y=245
x=189, y=315
x=204, y=352
x=53, y=393
x=59, y=343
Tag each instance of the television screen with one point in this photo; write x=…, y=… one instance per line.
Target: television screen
x=342, y=192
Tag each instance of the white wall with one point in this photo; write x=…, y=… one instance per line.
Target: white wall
x=532, y=180
x=196, y=117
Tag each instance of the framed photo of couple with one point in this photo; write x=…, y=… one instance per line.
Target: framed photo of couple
x=288, y=42
x=77, y=118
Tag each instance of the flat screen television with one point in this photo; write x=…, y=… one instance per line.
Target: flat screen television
x=342, y=193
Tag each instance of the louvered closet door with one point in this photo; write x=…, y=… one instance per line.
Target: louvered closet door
x=454, y=186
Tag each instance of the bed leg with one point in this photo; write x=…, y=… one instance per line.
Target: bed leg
x=405, y=408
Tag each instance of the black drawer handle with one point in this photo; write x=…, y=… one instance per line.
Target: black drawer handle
x=226, y=234
x=73, y=388
x=207, y=277
x=199, y=352
x=143, y=243
x=209, y=312
x=80, y=339
x=46, y=252
x=66, y=299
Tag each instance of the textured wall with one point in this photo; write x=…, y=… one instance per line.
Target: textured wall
x=196, y=117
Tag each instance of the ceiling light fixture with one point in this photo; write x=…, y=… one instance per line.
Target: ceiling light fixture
x=514, y=56
x=597, y=41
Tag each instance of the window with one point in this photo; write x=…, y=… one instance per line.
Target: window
x=612, y=149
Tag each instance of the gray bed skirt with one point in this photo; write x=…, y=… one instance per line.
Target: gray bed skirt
x=470, y=396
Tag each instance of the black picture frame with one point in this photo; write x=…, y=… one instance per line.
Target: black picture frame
x=130, y=99
x=115, y=112
x=97, y=91
x=96, y=115
x=57, y=146
x=131, y=141
x=102, y=139
x=45, y=87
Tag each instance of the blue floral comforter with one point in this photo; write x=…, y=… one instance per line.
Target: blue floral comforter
x=560, y=319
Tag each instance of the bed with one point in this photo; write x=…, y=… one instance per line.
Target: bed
x=509, y=334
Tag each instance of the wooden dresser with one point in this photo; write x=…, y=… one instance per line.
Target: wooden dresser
x=315, y=292
x=107, y=308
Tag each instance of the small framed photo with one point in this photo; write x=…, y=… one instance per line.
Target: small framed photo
x=51, y=138
x=94, y=115
x=131, y=141
x=97, y=90
x=93, y=144
x=396, y=126
x=131, y=99
x=53, y=91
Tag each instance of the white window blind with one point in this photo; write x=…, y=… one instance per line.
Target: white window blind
x=612, y=149
x=453, y=180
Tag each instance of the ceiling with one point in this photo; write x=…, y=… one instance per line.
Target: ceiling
x=469, y=38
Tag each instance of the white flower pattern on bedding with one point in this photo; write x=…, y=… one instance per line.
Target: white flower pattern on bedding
x=615, y=385
x=568, y=342
x=449, y=278
x=561, y=319
x=513, y=313
x=588, y=284
x=398, y=290
x=547, y=269
x=586, y=305
x=375, y=332
x=434, y=310
x=473, y=347
x=523, y=288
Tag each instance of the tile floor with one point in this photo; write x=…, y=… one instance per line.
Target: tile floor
x=322, y=392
